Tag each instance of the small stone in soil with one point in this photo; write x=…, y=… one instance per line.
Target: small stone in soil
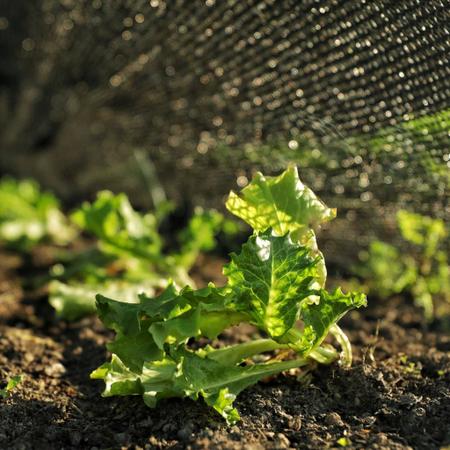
x=295, y=423
x=334, y=419
x=55, y=370
x=282, y=441
x=235, y=433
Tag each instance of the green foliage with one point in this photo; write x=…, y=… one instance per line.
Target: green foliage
x=274, y=283
x=200, y=235
x=285, y=204
x=134, y=239
x=10, y=386
x=282, y=203
x=130, y=257
x=386, y=270
x=422, y=270
x=73, y=301
x=120, y=230
x=29, y=216
x=270, y=279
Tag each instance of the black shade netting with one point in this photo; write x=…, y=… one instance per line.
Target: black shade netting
x=356, y=92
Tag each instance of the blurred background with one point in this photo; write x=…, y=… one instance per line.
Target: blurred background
x=200, y=94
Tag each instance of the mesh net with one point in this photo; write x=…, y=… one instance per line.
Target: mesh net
x=356, y=92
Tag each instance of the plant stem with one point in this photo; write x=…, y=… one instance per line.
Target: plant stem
x=324, y=355
x=344, y=342
x=237, y=353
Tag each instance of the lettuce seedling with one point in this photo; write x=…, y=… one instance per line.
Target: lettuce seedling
x=421, y=268
x=13, y=382
x=29, y=216
x=121, y=231
x=130, y=254
x=275, y=283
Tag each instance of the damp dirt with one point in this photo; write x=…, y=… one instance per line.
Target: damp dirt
x=396, y=395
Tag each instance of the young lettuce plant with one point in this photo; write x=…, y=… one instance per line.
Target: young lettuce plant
x=129, y=258
x=422, y=269
x=29, y=216
x=276, y=283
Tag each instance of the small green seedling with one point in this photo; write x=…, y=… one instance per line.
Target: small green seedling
x=422, y=269
x=276, y=283
x=129, y=257
x=10, y=386
x=29, y=216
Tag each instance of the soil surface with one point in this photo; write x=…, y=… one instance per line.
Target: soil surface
x=395, y=396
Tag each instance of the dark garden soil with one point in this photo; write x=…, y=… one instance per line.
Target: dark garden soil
x=396, y=395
